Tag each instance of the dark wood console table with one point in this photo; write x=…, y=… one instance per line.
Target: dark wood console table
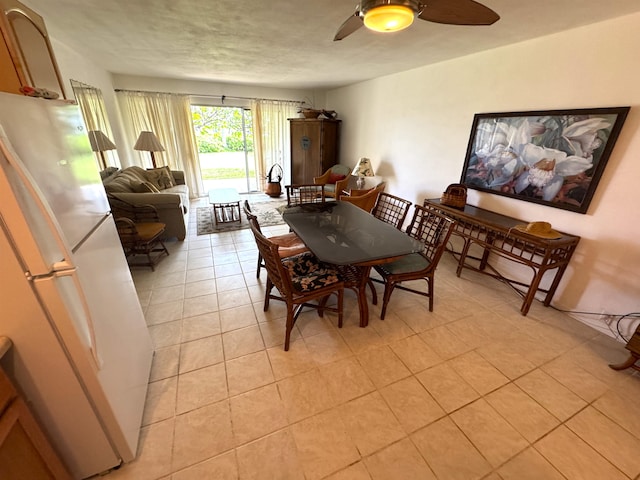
x=495, y=234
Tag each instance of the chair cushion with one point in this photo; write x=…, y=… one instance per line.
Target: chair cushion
x=414, y=262
x=290, y=244
x=308, y=273
x=334, y=177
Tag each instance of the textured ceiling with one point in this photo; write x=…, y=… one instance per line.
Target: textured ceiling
x=287, y=43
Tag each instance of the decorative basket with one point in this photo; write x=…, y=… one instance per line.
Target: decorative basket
x=454, y=196
x=310, y=113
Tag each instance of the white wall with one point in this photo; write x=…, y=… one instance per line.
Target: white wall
x=415, y=127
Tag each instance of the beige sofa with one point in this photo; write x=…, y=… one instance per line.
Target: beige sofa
x=163, y=188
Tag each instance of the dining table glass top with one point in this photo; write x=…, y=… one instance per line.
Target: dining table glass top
x=343, y=234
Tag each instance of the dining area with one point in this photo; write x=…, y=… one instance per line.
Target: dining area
x=335, y=245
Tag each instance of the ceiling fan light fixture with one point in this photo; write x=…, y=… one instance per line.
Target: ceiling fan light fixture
x=389, y=18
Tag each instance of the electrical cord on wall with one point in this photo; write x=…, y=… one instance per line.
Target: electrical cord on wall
x=621, y=316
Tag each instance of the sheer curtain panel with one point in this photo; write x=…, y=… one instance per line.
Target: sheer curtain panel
x=169, y=117
x=271, y=134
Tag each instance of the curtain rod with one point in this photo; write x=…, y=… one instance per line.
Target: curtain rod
x=222, y=97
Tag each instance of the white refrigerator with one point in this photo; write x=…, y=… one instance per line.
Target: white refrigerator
x=81, y=350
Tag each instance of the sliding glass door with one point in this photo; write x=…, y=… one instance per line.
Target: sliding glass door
x=225, y=147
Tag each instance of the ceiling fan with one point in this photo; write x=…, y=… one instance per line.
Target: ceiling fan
x=394, y=15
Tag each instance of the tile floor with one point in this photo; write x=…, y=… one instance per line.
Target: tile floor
x=473, y=390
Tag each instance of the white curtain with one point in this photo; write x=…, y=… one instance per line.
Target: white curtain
x=94, y=112
x=271, y=135
x=169, y=117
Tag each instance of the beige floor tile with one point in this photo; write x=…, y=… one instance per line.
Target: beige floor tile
x=323, y=445
x=551, y=394
x=287, y=364
x=411, y=404
x=415, y=354
x=154, y=454
x=327, y=347
x=165, y=363
x=574, y=458
x=357, y=471
x=392, y=328
x=257, y=413
x=201, y=287
x=447, y=387
x=167, y=294
x=360, y=339
x=419, y=318
x=506, y=359
x=200, y=274
x=612, y=441
x=383, y=366
x=164, y=312
x=522, y=412
x=200, y=353
x=449, y=453
x=161, y=401
x=444, y=342
x=529, y=465
x=166, y=334
x=478, y=373
x=305, y=395
x=575, y=378
x=346, y=379
x=273, y=331
x=238, y=317
x=370, y=423
x=222, y=467
x=200, y=305
x=249, y=372
x=201, y=434
x=400, y=460
x=207, y=325
x=201, y=387
x=233, y=298
x=273, y=456
x=229, y=283
x=310, y=324
x=490, y=433
x=619, y=409
x=242, y=342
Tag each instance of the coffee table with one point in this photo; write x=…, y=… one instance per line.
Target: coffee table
x=226, y=205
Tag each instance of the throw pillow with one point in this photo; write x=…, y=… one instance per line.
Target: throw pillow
x=160, y=177
x=334, y=177
x=146, y=187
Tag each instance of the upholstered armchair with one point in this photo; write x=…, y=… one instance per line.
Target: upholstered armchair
x=335, y=180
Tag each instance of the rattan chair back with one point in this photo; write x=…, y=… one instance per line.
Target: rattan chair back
x=391, y=209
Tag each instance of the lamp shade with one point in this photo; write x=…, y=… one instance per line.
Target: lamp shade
x=100, y=142
x=389, y=18
x=363, y=168
x=148, y=142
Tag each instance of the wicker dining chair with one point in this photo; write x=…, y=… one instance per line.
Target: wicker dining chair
x=391, y=209
x=289, y=243
x=433, y=229
x=301, y=194
x=299, y=280
x=366, y=201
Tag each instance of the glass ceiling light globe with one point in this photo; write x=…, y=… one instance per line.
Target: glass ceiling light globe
x=389, y=18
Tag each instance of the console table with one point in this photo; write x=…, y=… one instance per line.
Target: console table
x=494, y=233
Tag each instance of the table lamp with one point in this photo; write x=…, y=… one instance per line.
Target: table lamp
x=100, y=143
x=363, y=169
x=148, y=142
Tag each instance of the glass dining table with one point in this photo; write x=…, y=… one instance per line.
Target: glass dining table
x=345, y=235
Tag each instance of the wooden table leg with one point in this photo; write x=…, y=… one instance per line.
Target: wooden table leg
x=362, y=295
x=628, y=363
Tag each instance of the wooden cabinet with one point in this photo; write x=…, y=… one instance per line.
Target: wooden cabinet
x=25, y=452
x=26, y=56
x=314, y=147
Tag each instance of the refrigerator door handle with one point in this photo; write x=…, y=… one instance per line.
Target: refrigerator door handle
x=18, y=226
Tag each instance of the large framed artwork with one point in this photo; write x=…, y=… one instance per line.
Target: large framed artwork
x=550, y=157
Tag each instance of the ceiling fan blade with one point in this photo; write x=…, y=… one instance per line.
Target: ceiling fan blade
x=353, y=23
x=458, y=12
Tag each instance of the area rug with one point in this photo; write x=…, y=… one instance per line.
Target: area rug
x=267, y=213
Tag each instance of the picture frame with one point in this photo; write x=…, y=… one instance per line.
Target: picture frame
x=550, y=157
